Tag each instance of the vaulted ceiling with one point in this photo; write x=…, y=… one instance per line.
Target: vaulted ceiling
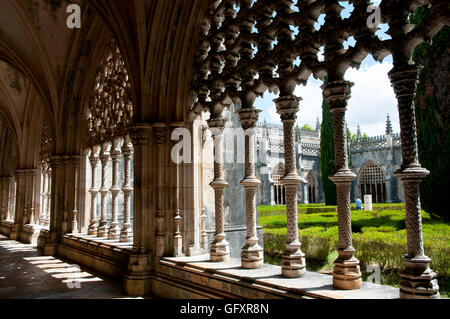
x=47, y=70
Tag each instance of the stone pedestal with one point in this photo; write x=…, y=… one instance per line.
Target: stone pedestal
x=137, y=280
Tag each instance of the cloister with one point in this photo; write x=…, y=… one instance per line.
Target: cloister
x=89, y=122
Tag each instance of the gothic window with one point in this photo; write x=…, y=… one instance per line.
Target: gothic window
x=110, y=112
x=372, y=181
x=312, y=188
x=278, y=188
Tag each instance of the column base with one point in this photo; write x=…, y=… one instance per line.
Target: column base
x=220, y=251
x=418, y=281
x=102, y=230
x=252, y=256
x=293, y=265
x=93, y=228
x=137, y=281
x=49, y=250
x=346, y=271
x=114, y=231
x=178, y=247
x=126, y=235
x=14, y=234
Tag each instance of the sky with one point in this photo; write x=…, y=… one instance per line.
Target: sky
x=372, y=97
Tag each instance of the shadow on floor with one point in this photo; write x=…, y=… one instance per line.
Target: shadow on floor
x=25, y=273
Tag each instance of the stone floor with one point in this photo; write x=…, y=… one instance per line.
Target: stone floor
x=25, y=273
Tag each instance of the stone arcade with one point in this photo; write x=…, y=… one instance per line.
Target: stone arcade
x=87, y=117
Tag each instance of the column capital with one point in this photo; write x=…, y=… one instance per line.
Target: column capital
x=159, y=132
x=127, y=147
x=404, y=80
x=248, y=117
x=139, y=134
x=343, y=176
x=217, y=122
x=413, y=173
x=337, y=93
x=287, y=107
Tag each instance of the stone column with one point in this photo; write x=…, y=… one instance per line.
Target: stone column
x=203, y=235
x=20, y=204
x=159, y=171
x=57, y=205
x=293, y=260
x=75, y=161
x=252, y=255
x=44, y=193
x=11, y=199
x=126, y=233
x=103, y=223
x=346, y=272
x=417, y=280
x=93, y=159
x=142, y=162
x=49, y=195
x=220, y=248
x=114, y=229
x=137, y=277
x=4, y=197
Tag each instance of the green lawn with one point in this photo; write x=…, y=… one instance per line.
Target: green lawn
x=379, y=237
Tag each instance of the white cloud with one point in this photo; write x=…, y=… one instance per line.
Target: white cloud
x=311, y=104
x=371, y=100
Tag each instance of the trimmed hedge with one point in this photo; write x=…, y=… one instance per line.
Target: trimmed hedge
x=378, y=237
x=268, y=210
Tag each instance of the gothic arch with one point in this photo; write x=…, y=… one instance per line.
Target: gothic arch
x=312, y=187
x=278, y=188
x=372, y=180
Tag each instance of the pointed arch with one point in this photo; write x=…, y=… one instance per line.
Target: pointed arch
x=372, y=181
x=278, y=188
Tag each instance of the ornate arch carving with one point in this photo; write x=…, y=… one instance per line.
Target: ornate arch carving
x=110, y=109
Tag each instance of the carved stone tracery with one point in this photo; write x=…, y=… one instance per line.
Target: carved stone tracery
x=248, y=47
x=110, y=108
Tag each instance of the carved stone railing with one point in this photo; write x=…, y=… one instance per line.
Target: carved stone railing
x=117, y=223
x=375, y=143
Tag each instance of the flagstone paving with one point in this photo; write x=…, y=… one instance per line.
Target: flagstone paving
x=26, y=273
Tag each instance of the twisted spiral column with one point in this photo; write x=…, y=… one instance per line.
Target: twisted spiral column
x=346, y=272
x=93, y=159
x=126, y=233
x=220, y=248
x=103, y=223
x=293, y=259
x=417, y=279
x=252, y=255
x=114, y=229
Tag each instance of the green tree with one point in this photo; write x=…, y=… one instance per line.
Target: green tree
x=433, y=118
x=306, y=127
x=327, y=163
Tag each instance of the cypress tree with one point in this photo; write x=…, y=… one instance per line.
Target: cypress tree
x=327, y=163
x=433, y=118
